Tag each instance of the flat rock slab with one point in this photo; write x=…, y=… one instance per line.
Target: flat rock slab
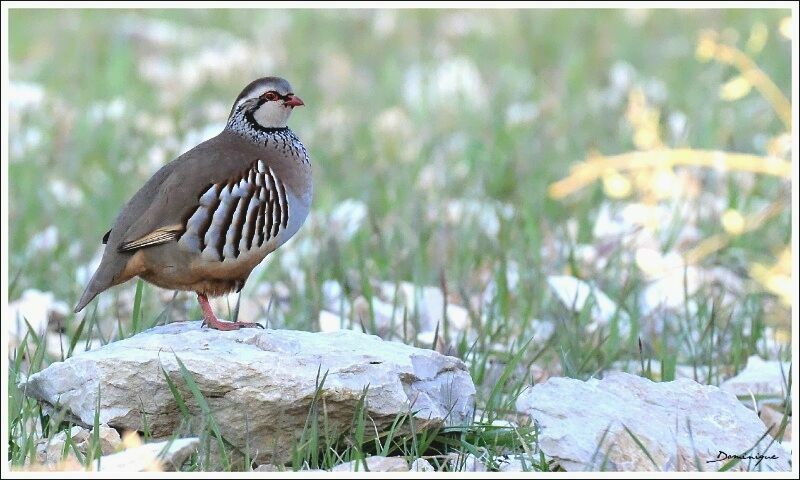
x=259, y=384
x=165, y=456
x=682, y=425
x=759, y=377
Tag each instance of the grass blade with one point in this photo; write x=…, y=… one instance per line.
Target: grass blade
x=642, y=447
x=204, y=407
x=137, y=307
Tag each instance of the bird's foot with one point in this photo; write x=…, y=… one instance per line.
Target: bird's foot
x=217, y=324
x=213, y=322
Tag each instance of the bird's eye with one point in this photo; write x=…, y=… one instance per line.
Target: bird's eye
x=270, y=96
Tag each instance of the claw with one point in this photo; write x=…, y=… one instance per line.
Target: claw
x=211, y=320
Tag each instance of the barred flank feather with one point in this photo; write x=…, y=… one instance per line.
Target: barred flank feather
x=235, y=216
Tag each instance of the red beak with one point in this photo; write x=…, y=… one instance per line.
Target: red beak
x=293, y=101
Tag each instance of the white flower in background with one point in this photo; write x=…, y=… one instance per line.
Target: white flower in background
x=394, y=129
x=459, y=77
x=44, y=241
x=159, y=33
x=156, y=158
x=24, y=143
x=331, y=118
x=642, y=224
x=336, y=74
x=621, y=76
x=414, y=86
x=656, y=91
x=329, y=122
x=677, y=123
x=100, y=112
x=517, y=81
x=485, y=214
x=160, y=126
x=656, y=265
x=636, y=16
x=346, y=218
x=24, y=95
x=463, y=23
x=608, y=223
x=199, y=135
x=176, y=79
x=432, y=177
x=216, y=111
x=393, y=122
x=521, y=113
x=455, y=80
x=384, y=23
x=65, y=193
x=294, y=255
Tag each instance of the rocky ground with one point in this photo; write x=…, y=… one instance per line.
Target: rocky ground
x=261, y=388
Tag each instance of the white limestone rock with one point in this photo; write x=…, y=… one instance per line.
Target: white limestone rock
x=259, y=384
x=583, y=425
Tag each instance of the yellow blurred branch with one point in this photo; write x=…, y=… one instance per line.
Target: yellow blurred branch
x=594, y=168
x=753, y=74
x=721, y=240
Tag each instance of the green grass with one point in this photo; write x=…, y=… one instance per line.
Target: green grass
x=405, y=152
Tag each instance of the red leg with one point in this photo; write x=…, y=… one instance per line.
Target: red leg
x=213, y=322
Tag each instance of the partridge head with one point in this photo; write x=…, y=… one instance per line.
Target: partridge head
x=205, y=220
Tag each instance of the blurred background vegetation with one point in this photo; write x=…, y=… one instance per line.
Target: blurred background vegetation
x=468, y=149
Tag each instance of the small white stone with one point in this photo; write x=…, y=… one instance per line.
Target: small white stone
x=759, y=377
x=150, y=457
x=421, y=465
x=574, y=293
x=470, y=463
x=51, y=452
x=109, y=439
x=374, y=463
x=36, y=307
x=329, y=322
x=519, y=463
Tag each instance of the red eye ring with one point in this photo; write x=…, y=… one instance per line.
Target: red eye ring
x=271, y=96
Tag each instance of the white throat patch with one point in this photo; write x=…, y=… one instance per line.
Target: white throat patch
x=272, y=115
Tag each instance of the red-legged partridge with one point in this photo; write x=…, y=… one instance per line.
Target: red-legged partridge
x=206, y=219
